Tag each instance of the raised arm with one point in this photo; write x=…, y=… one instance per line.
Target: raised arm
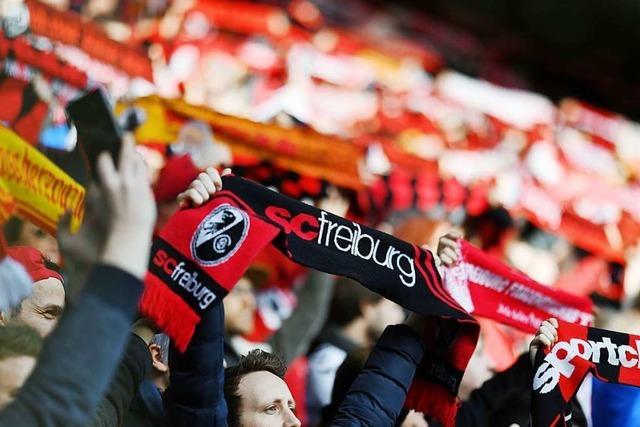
x=195, y=396
x=79, y=358
x=377, y=395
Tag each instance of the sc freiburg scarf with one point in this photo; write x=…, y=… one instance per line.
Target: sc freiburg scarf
x=201, y=254
x=609, y=356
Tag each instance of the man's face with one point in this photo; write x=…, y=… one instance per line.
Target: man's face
x=265, y=401
x=33, y=236
x=380, y=315
x=43, y=308
x=14, y=371
x=239, y=308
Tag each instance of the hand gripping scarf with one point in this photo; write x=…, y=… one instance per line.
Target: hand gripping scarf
x=201, y=254
x=486, y=287
x=610, y=356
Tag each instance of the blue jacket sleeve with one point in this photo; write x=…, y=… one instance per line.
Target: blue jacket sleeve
x=195, y=397
x=377, y=395
x=614, y=404
x=80, y=356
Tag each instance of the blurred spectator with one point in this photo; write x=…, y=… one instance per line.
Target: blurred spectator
x=346, y=374
x=357, y=317
x=239, y=313
x=15, y=282
x=68, y=383
x=19, y=232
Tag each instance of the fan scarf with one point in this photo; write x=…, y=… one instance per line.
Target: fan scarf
x=202, y=252
x=486, y=287
x=610, y=356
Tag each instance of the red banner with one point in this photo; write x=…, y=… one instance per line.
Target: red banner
x=68, y=28
x=46, y=62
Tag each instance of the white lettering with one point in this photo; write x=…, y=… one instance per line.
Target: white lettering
x=623, y=351
x=347, y=238
x=559, y=360
x=189, y=281
x=366, y=247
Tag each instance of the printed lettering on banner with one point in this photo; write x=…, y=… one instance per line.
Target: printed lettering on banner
x=345, y=237
x=559, y=360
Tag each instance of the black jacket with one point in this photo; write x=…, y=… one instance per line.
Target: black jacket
x=134, y=367
x=505, y=399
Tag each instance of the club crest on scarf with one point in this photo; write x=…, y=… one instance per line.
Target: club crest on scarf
x=219, y=235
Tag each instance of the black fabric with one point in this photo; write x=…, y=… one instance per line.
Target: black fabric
x=147, y=408
x=386, y=265
x=332, y=335
x=505, y=399
x=134, y=367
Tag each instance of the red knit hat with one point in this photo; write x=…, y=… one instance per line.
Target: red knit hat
x=33, y=261
x=174, y=178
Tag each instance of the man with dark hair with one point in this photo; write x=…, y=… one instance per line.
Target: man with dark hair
x=256, y=393
x=357, y=318
x=19, y=349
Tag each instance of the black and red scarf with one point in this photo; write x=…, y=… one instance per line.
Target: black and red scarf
x=610, y=356
x=202, y=252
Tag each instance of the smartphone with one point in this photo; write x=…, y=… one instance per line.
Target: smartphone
x=96, y=127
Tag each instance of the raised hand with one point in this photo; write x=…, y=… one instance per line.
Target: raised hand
x=546, y=336
x=202, y=188
x=448, y=248
x=130, y=209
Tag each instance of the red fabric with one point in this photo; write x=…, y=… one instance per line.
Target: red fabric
x=486, y=287
x=502, y=344
x=3, y=245
x=280, y=270
x=590, y=275
x=24, y=118
x=33, y=261
x=11, y=97
x=29, y=125
x=174, y=178
x=173, y=258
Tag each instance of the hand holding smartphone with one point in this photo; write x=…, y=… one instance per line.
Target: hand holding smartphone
x=96, y=127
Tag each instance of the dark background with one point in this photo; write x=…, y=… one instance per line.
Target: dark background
x=583, y=48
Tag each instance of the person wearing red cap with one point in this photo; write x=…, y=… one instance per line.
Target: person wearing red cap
x=42, y=309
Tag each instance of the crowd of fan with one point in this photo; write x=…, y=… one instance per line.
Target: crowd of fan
x=75, y=352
